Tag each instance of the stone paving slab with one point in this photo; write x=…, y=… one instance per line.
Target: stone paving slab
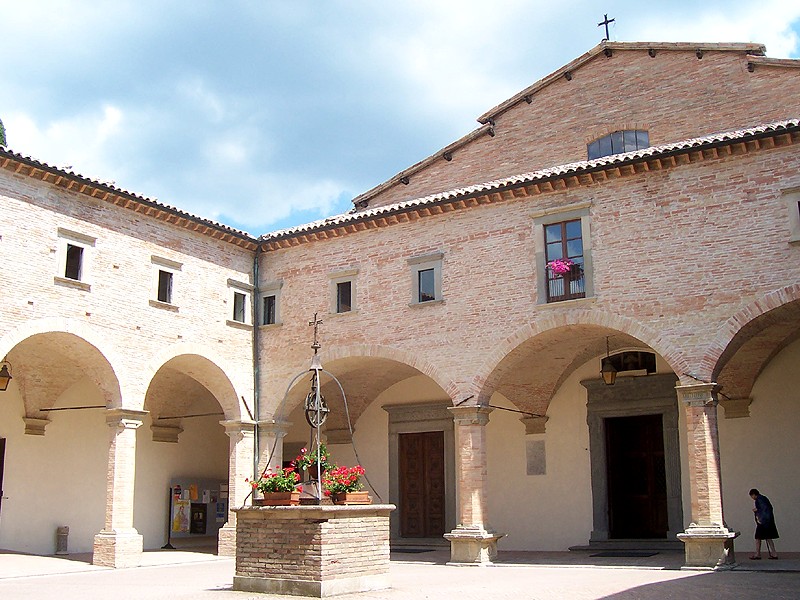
x=178, y=575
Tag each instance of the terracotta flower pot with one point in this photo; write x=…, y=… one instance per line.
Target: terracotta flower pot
x=278, y=499
x=361, y=497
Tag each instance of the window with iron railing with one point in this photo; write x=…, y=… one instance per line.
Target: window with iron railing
x=564, y=261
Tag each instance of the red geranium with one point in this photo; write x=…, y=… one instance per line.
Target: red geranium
x=282, y=480
x=343, y=479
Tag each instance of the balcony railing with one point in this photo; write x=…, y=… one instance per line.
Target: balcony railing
x=566, y=286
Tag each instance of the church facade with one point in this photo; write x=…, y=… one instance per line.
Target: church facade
x=577, y=326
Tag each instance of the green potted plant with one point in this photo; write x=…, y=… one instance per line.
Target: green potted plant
x=279, y=488
x=343, y=485
x=307, y=461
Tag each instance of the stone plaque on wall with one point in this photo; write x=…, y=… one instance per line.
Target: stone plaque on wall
x=535, y=457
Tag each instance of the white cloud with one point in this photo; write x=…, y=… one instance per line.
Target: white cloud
x=268, y=110
x=768, y=22
x=195, y=92
x=82, y=141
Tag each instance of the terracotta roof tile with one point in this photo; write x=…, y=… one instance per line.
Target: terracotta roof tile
x=534, y=176
x=112, y=187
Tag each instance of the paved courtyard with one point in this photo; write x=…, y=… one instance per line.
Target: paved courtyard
x=525, y=575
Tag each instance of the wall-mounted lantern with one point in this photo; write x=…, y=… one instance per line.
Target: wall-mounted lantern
x=607, y=371
x=5, y=375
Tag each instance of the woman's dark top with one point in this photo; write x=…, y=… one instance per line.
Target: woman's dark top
x=765, y=519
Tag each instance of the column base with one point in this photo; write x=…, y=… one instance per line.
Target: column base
x=708, y=547
x=226, y=542
x=472, y=546
x=117, y=549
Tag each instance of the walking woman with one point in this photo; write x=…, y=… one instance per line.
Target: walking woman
x=765, y=525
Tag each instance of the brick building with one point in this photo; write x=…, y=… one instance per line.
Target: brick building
x=665, y=175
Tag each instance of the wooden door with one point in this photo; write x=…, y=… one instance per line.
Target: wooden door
x=637, y=483
x=422, y=498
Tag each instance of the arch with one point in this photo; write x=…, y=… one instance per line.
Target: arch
x=364, y=371
x=215, y=379
x=487, y=378
x=750, y=339
x=402, y=356
x=111, y=383
x=725, y=343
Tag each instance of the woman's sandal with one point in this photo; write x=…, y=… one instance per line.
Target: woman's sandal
x=773, y=557
x=754, y=557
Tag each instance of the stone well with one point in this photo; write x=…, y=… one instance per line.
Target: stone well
x=317, y=551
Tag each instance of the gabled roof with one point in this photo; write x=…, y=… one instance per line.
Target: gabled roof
x=108, y=192
x=606, y=47
x=756, y=54
x=545, y=180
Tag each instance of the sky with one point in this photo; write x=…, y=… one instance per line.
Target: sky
x=266, y=114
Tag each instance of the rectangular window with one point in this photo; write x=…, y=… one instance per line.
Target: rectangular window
x=240, y=307
x=270, y=305
x=270, y=309
x=74, y=263
x=793, y=205
x=427, y=285
x=565, y=262
x=165, y=286
x=74, y=259
x=344, y=296
x=343, y=291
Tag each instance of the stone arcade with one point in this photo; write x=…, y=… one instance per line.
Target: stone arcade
x=667, y=174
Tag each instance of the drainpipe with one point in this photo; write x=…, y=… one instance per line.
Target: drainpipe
x=256, y=360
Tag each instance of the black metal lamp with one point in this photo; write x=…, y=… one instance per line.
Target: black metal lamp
x=5, y=375
x=607, y=371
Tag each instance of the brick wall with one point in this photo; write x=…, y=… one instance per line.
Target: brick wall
x=673, y=95
x=676, y=253
x=133, y=336
x=312, y=543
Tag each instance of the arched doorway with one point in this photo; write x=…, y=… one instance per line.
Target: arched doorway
x=182, y=454
x=52, y=420
x=759, y=419
x=402, y=435
x=562, y=448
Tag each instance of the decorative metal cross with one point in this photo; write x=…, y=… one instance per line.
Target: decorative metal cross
x=605, y=22
x=316, y=323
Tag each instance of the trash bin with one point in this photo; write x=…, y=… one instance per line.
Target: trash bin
x=62, y=539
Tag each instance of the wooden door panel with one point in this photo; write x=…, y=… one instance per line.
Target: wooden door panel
x=636, y=477
x=421, y=471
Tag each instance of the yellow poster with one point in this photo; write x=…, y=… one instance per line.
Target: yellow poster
x=180, y=516
x=193, y=492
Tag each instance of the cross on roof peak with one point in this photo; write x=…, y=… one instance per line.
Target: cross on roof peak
x=605, y=22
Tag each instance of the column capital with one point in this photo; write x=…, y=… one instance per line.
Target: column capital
x=125, y=418
x=338, y=436
x=35, y=426
x=534, y=424
x=238, y=427
x=274, y=427
x=470, y=415
x=698, y=394
x=736, y=408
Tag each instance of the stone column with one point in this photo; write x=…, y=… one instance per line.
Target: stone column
x=708, y=543
x=119, y=545
x=472, y=542
x=240, y=468
x=270, y=443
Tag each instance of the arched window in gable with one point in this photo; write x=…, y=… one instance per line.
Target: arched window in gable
x=618, y=142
